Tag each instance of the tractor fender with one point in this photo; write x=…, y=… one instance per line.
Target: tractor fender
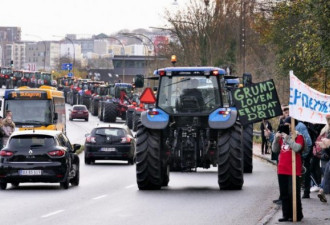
x=223, y=121
x=159, y=121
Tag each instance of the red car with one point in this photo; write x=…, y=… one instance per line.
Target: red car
x=78, y=112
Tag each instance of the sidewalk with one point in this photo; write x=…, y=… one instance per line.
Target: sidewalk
x=315, y=212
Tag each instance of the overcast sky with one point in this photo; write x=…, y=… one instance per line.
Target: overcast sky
x=46, y=18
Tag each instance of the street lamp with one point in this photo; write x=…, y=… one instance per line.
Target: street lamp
x=132, y=35
x=45, y=50
x=123, y=46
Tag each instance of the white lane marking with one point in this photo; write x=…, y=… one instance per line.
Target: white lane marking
x=101, y=196
x=130, y=186
x=52, y=214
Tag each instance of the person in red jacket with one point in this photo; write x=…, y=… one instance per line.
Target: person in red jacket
x=285, y=144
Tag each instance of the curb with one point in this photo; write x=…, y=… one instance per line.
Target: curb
x=265, y=158
x=266, y=219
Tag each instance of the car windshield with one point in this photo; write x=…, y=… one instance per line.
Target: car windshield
x=6, y=71
x=193, y=94
x=47, y=76
x=30, y=112
x=103, y=90
x=110, y=131
x=31, y=141
x=79, y=108
x=17, y=74
x=126, y=88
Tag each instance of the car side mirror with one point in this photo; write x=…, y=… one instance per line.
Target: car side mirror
x=86, y=135
x=76, y=147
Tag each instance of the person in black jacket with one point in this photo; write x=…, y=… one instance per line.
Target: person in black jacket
x=265, y=124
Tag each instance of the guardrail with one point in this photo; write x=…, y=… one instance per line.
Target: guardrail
x=257, y=133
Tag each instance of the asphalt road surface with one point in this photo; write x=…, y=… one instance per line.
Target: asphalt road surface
x=108, y=194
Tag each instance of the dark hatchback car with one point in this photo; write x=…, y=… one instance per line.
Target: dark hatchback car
x=113, y=142
x=39, y=156
x=79, y=112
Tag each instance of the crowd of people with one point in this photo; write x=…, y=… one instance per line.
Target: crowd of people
x=311, y=144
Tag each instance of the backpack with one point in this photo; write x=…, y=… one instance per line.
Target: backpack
x=305, y=151
x=317, y=150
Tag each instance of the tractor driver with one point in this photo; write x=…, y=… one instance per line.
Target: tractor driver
x=192, y=97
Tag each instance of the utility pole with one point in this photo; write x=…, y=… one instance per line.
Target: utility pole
x=243, y=35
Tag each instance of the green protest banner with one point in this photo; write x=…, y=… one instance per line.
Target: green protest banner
x=257, y=102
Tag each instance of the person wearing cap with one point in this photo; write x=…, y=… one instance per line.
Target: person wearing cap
x=284, y=143
x=306, y=156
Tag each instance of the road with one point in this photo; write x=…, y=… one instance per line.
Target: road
x=108, y=194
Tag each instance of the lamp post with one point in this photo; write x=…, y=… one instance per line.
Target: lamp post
x=45, y=50
x=132, y=35
x=123, y=46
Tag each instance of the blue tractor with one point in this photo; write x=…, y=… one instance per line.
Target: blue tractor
x=192, y=123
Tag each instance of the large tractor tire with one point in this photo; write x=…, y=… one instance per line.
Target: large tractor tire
x=230, y=158
x=129, y=119
x=109, y=112
x=94, y=107
x=7, y=84
x=148, y=159
x=86, y=101
x=247, y=145
x=74, y=98
x=100, y=111
x=136, y=118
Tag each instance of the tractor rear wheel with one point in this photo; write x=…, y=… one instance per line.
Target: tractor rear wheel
x=148, y=159
x=95, y=107
x=136, y=118
x=100, y=111
x=109, y=112
x=129, y=119
x=247, y=145
x=230, y=158
x=86, y=101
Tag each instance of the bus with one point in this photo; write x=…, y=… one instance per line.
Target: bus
x=35, y=108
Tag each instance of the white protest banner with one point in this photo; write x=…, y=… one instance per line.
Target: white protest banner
x=306, y=103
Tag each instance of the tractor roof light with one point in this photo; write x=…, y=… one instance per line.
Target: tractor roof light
x=173, y=59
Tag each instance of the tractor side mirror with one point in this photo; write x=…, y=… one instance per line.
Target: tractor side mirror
x=55, y=116
x=247, y=79
x=139, y=81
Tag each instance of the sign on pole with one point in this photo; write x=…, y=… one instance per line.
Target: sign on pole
x=306, y=103
x=66, y=66
x=257, y=102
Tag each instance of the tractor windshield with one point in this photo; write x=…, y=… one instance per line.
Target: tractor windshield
x=188, y=94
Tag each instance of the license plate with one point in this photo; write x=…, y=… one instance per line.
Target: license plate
x=80, y=112
x=29, y=172
x=108, y=149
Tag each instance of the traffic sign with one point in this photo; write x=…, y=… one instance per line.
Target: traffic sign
x=66, y=66
x=70, y=74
